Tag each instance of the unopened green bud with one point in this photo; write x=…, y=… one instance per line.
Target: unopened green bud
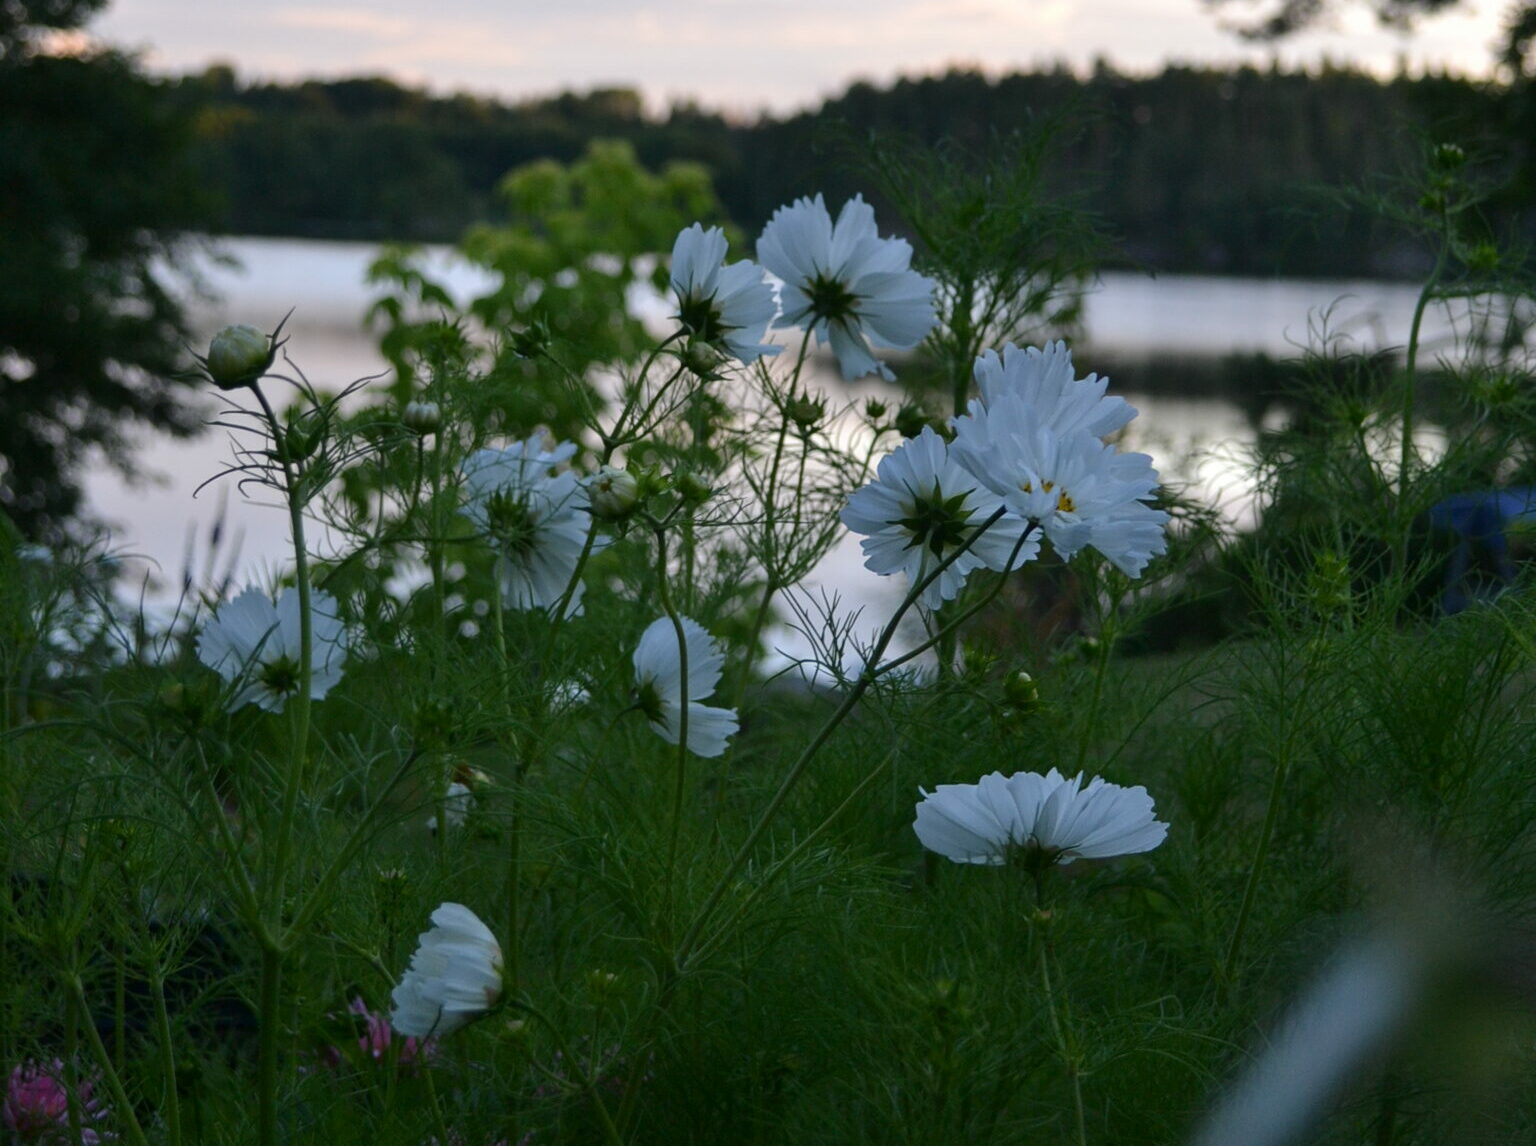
x=1329, y=583
x=1021, y=691
x=238, y=356
x=422, y=418
x=690, y=488
x=910, y=420
x=703, y=359
x=1483, y=259
x=613, y=493
x=805, y=413
x=874, y=409
x=300, y=440
x=532, y=341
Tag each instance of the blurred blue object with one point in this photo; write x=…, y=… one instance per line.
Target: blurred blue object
x=1480, y=521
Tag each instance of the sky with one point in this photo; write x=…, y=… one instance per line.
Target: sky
x=743, y=56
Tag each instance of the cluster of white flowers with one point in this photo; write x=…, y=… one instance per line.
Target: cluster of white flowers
x=1029, y=455
x=840, y=281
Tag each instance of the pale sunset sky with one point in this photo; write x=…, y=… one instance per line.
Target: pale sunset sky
x=744, y=56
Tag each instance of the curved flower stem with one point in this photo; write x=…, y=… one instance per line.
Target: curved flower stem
x=1410, y=394
x=275, y=942
x=588, y=1083
x=123, y=1106
x=872, y=670
x=514, y=948
x=770, y=510
x=971, y=610
x=1100, y=670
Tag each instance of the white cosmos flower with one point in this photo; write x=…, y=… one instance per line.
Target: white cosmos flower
x=1081, y=490
x=534, y=519
x=1046, y=383
x=729, y=306
x=456, y=802
x=454, y=978
x=659, y=683
x=252, y=642
x=1049, y=818
x=921, y=507
x=846, y=283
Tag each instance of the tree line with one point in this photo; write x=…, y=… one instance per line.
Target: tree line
x=1192, y=169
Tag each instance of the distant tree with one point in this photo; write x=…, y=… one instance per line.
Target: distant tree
x=95, y=193
x=1283, y=17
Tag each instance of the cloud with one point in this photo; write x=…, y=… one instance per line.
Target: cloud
x=352, y=21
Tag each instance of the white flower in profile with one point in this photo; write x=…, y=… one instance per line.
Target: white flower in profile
x=1045, y=382
x=533, y=518
x=728, y=306
x=256, y=645
x=1040, y=820
x=454, y=978
x=922, y=507
x=1079, y=489
x=846, y=283
x=659, y=685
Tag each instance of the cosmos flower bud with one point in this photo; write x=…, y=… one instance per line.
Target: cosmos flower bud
x=238, y=356
x=613, y=493
x=690, y=487
x=805, y=413
x=422, y=418
x=1021, y=691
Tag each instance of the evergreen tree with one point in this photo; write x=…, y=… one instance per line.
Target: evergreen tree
x=96, y=193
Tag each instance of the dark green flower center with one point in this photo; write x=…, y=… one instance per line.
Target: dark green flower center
x=701, y=317
x=830, y=298
x=280, y=677
x=648, y=700
x=511, y=522
x=937, y=521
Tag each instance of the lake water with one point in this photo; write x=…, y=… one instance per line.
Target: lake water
x=1196, y=440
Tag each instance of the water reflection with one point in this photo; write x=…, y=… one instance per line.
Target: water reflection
x=1197, y=442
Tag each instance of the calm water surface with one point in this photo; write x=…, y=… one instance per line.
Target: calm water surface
x=1195, y=440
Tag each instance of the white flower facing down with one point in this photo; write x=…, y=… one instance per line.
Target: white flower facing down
x=922, y=507
x=1047, y=819
x=728, y=306
x=846, y=283
x=659, y=685
x=253, y=643
x=454, y=978
x=1045, y=382
x=533, y=518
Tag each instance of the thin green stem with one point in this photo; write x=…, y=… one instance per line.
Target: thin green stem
x=167, y=1048
x=268, y=1045
x=792, y=777
x=680, y=781
x=121, y=1102
x=1061, y=1027
x=588, y=1082
x=1256, y=869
